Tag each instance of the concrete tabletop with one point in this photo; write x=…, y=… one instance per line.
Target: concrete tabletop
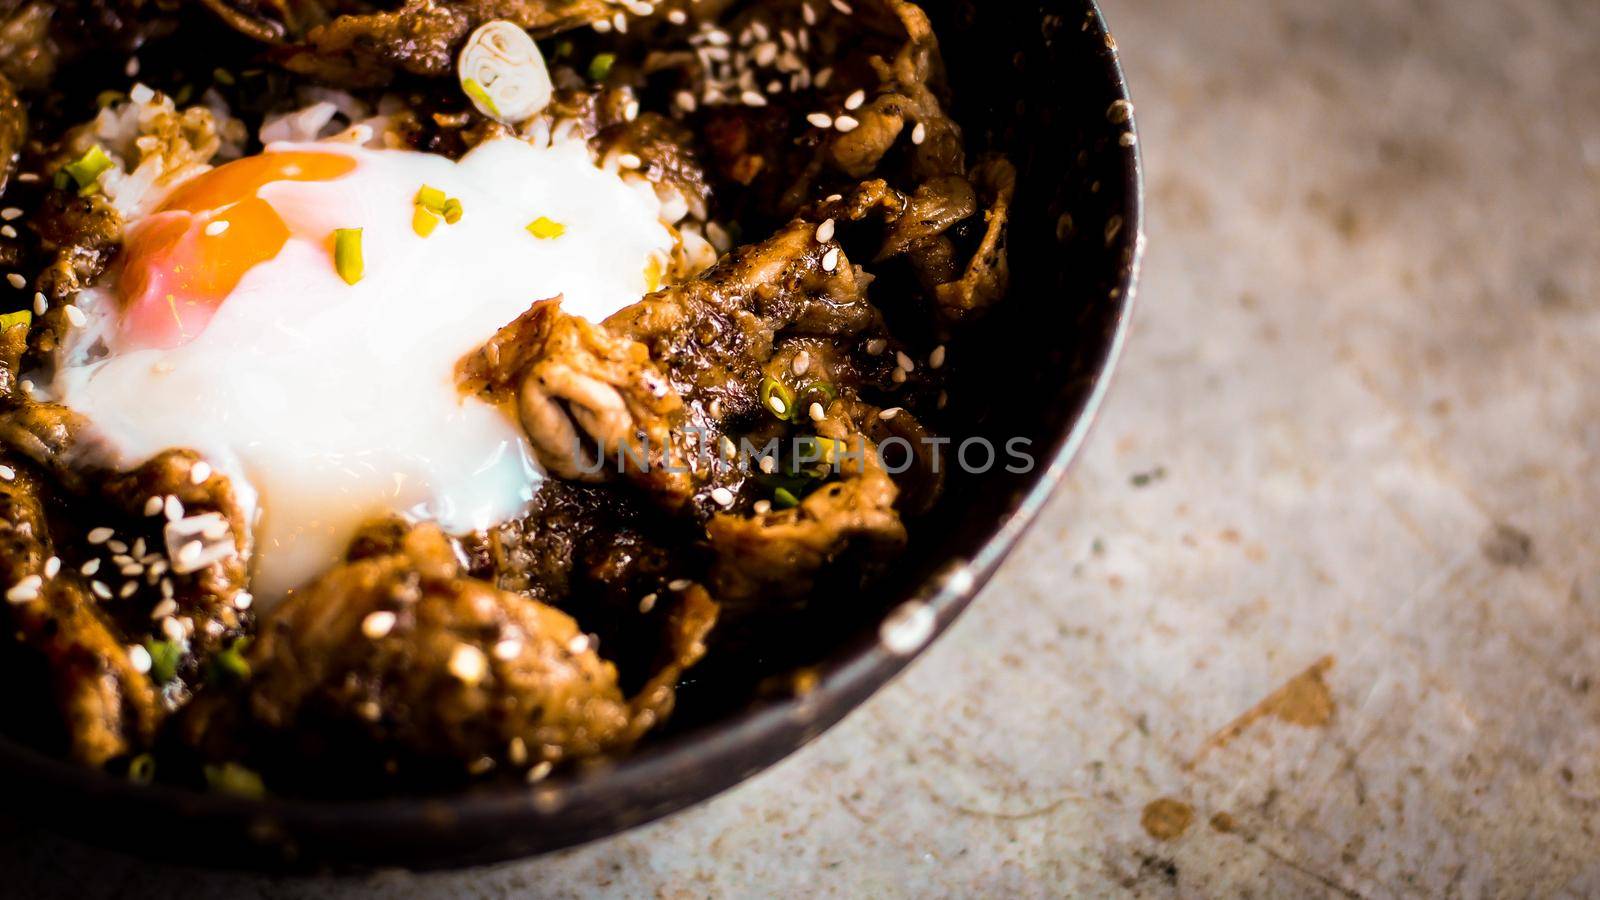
x=1313, y=614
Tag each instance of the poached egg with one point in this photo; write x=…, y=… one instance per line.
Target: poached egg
x=227, y=328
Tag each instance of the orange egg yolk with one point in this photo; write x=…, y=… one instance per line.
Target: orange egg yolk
x=180, y=264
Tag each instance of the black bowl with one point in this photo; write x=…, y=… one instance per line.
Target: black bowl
x=1037, y=80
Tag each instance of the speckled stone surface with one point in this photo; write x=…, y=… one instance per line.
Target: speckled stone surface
x=1328, y=576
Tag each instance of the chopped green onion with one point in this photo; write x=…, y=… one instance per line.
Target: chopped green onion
x=86, y=169
x=142, y=769
x=777, y=398
x=822, y=389
x=564, y=49
x=232, y=778
x=545, y=228
x=452, y=211
x=782, y=498
x=164, y=659
x=185, y=92
x=431, y=199
x=230, y=664
x=600, y=66
x=480, y=96
x=223, y=76
x=347, y=254
x=423, y=222
x=10, y=320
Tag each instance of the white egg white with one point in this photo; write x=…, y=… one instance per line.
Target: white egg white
x=331, y=403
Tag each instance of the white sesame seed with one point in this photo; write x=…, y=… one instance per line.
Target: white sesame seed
x=171, y=627
x=8, y=231
x=768, y=465
x=507, y=649
x=7, y=473
x=801, y=363
x=677, y=16
x=10, y=214
x=808, y=14
x=100, y=535
x=778, y=406
x=139, y=657
x=468, y=663
x=41, y=303
x=631, y=111
x=841, y=6
x=898, y=376
x=200, y=472
x=766, y=53
x=846, y=124
x=620, y=23
x=75, y=316
x=242, y=600
x=152, y=506
x=816, y=412
x=830, y=260
x=752, y=98
x=116, y=546
x=919, y=133
x=132, y=68
x=131, y=570
x=679, y=584
x=825, y=231
x=904, y=361
x=629, y=160
x=100, y=590
x=517, y=751
x=601, y=25
x=377, y=624
x=722, y=496
x=189, y=554
x=25, y=590
x=138, y=547
x=936, y=358
x=90, y=567
x=820, y=119
x=213, y=229
x=823, y=77
x=17, y=281
x=28, y=177
x=648, y=602
x=52, y=567
x=686, y=101
x=166, y=588
x=856, y=98
x=889, y=413
x=762, y=507
x=163, y=609
x=173, y=508
x=538, y=773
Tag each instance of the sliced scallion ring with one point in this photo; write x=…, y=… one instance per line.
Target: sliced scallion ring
x=347, y=258
x=86, y=169
x=504, y=73
x=777, y=398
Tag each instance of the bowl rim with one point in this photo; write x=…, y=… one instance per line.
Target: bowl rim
x=853, y=673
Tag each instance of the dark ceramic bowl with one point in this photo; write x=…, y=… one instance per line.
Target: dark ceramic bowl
x=1037, y=80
